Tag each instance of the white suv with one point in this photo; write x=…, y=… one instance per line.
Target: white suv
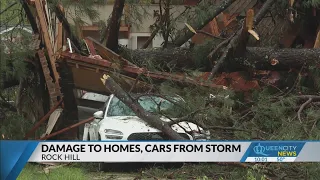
x=118, y=122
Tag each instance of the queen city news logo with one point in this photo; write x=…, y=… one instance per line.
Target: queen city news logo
x=275, y=150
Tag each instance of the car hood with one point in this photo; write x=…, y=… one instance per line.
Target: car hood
x=188, y=126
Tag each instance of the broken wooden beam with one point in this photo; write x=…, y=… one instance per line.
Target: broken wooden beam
x=67, y=128
x=46, y=36
x=52, y=89
x=137, y=71
x=42, y=120
x=91, y=47
x=107, y=53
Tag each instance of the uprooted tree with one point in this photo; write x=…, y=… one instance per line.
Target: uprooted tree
x=273, y=89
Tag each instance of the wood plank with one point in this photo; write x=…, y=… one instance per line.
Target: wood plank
x=317, y=42
x=59, y=36
x=44, y=29
x=89, y=28
x=214, y=27
x=49, y=23
x=91, y=47
x=109, y=55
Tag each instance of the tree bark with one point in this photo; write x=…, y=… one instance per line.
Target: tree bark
x=185, y=34
x=238, y=43
x=158, y=27
x=114, y=26
x=165, y=59
x=257, y=57
x=263, y=58
x=151, y=119
x=31, y=18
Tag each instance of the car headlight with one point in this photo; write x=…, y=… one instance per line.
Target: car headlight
x=113, y=134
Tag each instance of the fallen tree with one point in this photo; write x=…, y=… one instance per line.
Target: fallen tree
x=178, y=59
x=235, y=45
x=185, y=34
x=260, y=58
x=151, y=119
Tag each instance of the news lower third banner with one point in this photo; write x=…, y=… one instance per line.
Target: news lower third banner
x=15, y=154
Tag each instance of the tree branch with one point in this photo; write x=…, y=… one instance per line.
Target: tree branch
x=114, y=26
x=30, y=17
x=300, y=110
x=151, y=119
x=240, y=39
x=185, y=34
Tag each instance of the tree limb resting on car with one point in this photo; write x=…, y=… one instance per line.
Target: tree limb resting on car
x=151, y=119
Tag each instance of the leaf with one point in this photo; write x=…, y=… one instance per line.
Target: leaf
x=249, y=19
x=254, y=34
x=190, y=28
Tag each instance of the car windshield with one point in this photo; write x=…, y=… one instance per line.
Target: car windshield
x=151, y=104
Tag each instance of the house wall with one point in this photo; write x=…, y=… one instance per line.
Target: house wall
x=138, y=31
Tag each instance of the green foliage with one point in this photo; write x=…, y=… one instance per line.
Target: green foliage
x=79, y=11
x=311, y=3
x=80, y=8
x=37, y=172
x=200, y=53
x=14, y=127
x=14, y=51
x=13, y=15
x=138, y=12
x=269, y=116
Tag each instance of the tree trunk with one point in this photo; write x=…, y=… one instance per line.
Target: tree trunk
x=114, y=26
x=165, y=59
x=237, y=44
x=151, y=119
x=31, y=18
x=268, y=58
x=260, y=58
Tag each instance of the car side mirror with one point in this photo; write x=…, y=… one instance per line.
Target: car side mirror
x=98, y=115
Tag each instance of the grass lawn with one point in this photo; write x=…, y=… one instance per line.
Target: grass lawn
x=37, y=172
x=205, y=171
x=75, y=171
x=79, y=171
